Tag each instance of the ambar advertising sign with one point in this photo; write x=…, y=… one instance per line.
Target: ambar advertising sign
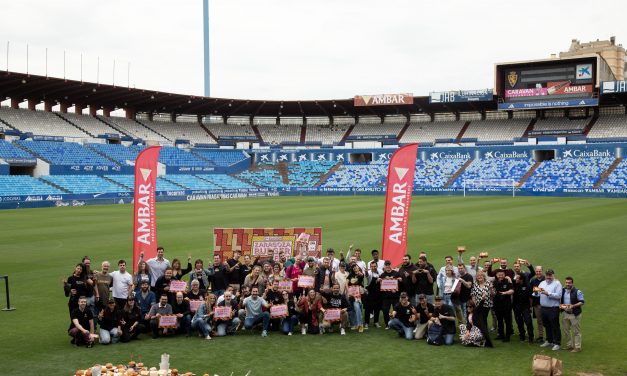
x=383, y=99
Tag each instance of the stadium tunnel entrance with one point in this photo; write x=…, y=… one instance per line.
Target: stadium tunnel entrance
x=21, y=170
x=543, y=155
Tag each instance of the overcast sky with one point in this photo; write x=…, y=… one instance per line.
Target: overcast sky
x=292, y=49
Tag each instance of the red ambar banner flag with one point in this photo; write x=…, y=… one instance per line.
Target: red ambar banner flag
x=397, y=201
x=144, y=211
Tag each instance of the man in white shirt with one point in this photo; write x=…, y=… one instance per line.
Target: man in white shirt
x=157, y=266
x=375, y=259
x=359, y=261
x=335, y=263
x=122, y=285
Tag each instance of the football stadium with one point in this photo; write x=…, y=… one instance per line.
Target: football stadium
x=148, y=232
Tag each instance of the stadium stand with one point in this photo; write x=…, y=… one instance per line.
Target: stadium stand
x=10, y=151
x=353, y=176
x=267, y=177
x=429, y=132
x=119, y=153
x=618, y=178
x=485, y=169
x=560, y=124
x=374, y=127
x=65, y=153
x=90, y=124
x=135, y=129
x=183, y=130
x=226, y=181
x=325, y=134
x=21, y=185
x=277, y=134
x=190, y=182
x=230, y=130
x=40, y=123
x=611, y=126
x=496, y=130
x=172, y=156
x=221, y=158
x=436, y=173
x=569, y=173
x=128, y=181
x=307, y=173
x=84, y=184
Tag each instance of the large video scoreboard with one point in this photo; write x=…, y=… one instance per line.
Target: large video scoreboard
x=547, y=84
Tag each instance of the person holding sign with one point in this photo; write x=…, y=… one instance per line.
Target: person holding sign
x=162, y=285
x=355, y=288
x=183, y=314
x=388, y=282
x=254, y=313
x=204, y=316
x=310, y=307
x=290, y=321
x=335, y=302
x=274, y=297
x=195, y=293
x=158, y=310
x=404, y=318
x=227, y=326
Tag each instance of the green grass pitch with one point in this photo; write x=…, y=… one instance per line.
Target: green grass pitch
x=584, y=238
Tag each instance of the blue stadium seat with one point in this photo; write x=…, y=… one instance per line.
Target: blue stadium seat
x=22, y=185
x=569, y=173
x=8, y=151
x=65, y=153
x=84, y=184
x=129, y=181
x=226, y=181
x=618, y=177
x=221, y=158
x=117, y=152
x=172, y=156
x=505, y=169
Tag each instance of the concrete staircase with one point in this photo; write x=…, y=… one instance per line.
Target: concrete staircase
x=532, y=123
x=528, y=174
x=257, y=133
x=324, y=177
x=348, y=132
x=208, y=132
x=458, y=173
x=461, y=132
x=607, y=173
x=282, y=168
x=590, y=124
x=303, y=134
x=402, y=132
x=73, y=124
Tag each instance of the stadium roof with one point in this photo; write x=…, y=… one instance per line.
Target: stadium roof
x=23, y=86
x=40, y=88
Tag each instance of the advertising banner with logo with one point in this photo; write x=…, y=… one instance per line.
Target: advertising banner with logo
x=557, y=103
x=609, y=87
x=400, y=182
x=144, y=211
x=383, y=99
x=266, y=242
x=461, y=96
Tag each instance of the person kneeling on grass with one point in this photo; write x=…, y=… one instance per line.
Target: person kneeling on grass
x=443, y=316
x=204, y=316
x=403, y=318
x=110, y=320
x=161, y=308
x=225, y=327
x=335, y=300
x=82, y=325
x=132, y=323
x=471, y=334
x=254, y=313
x=183, y=313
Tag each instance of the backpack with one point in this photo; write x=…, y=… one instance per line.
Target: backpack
x=434, y=335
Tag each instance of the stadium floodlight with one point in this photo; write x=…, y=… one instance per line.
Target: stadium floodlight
x=486, y=184
x=205, y=17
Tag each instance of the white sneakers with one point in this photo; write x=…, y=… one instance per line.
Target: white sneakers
x=545, y=344
x=555, y=347
x=208, y=337
x=342, y=332
x=264, y=333
x=289, y=334
x=303, y=330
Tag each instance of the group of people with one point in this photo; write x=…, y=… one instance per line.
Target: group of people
x=321, y=294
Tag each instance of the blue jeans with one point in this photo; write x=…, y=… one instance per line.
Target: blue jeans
x=448, y=339
x=109, y=336
x=355, y=316
x=447, y=299
x=264, y=317
x=183, y=324
x=289, y=323
x=202, y=326
x=406, y=331
x=227, y=327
